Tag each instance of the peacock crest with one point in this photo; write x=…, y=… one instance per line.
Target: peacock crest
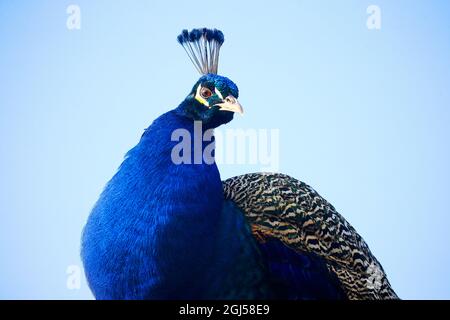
x=203, y=47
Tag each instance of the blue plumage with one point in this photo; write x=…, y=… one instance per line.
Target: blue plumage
x=196, y=34
x=163, y=230
x=298, y=276
x=147, y=236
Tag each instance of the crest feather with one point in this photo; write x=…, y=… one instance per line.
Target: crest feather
x=203, y=47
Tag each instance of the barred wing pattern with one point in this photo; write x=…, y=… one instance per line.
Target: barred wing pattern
x=282, y=207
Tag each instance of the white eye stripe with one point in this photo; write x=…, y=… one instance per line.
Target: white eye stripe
x=202, y=100
x=218, y=93
x=199, y=97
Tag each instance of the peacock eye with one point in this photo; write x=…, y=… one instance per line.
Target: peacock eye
x=205, y=93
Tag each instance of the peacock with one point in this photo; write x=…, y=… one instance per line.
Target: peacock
x=165, y=228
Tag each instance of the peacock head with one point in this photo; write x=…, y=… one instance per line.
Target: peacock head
x=213, y=99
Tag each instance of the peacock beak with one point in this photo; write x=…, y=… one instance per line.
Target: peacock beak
x=230, y=103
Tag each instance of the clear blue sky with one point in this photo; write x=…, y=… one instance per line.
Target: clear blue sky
x=363, y=116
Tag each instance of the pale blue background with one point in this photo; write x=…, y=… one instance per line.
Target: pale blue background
x=364, y=118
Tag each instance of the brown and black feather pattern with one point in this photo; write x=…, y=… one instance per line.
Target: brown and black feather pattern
x=282, y=207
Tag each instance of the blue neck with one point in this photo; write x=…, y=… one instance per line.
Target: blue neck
x=154, y=217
